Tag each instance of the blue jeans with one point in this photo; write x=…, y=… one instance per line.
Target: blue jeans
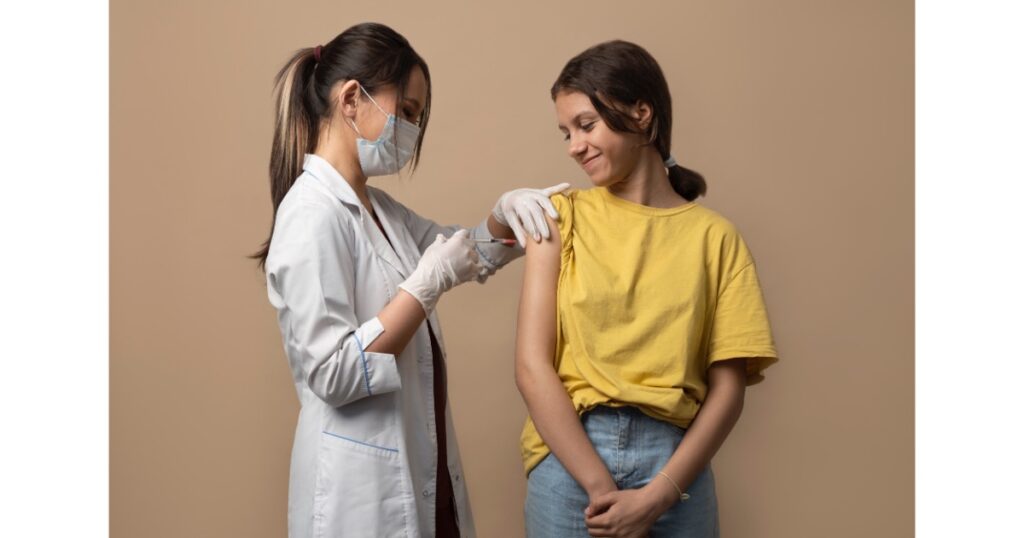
x=634, y=447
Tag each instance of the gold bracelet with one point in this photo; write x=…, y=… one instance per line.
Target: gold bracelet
x=682, y=496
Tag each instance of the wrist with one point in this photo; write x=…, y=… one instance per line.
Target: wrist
x=402, y=292
x=421, y=288
x=661, y=493
x=599, y=487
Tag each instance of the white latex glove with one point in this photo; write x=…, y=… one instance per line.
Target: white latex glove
x=446, y=263
x=523, y=211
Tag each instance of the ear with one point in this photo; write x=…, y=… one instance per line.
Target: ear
x=642, y=113
x=347, y=98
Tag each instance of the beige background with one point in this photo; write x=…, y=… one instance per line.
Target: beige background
x=799, y=113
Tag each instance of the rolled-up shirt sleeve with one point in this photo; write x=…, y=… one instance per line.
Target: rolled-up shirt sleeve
x=311, y=281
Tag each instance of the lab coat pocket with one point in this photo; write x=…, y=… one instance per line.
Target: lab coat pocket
x=358, y=489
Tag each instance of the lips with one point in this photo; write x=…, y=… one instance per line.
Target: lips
x=587, y=162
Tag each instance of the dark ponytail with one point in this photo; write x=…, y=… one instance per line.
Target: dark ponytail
x=688, y=183
x=371, y=53
x=616, y=74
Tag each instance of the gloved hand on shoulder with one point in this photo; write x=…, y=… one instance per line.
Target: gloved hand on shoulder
x=523, y=211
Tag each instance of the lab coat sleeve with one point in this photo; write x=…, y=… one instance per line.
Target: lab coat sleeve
x=313, y=278
x=493, y=256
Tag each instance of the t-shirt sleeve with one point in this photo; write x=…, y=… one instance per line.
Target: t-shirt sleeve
x=740, y=325
x=564, y=206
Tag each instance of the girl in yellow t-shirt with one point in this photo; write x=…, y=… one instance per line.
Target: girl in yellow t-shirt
x=640, y=324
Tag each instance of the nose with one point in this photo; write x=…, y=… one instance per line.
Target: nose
x=577, y=147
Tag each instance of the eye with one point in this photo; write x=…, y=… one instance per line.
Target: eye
x=565, y=137
x=589, y=126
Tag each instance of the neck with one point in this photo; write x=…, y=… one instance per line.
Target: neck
x=339, y=150
x=647, y=184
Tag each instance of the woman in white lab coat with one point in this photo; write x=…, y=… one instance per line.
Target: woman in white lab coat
x=354, y=276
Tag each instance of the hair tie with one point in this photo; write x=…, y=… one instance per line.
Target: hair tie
x=316, y=52
x=670, y=162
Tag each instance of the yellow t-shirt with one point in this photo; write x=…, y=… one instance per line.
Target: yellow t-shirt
x=647, y=299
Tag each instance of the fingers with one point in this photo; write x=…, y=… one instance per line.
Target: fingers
x=482, y=275
x=469, y=268
x=463, y=238
x=599, y=521
x=462, y=234
x=601, y=504
x=522, y=213
x=530, y=213
x=600, y=526
x=477, y=272
x=532, y=219
x=599, y=517
x=549, y=207
x=517, y=229
x=467, y=243
x=524, y=210
x=539, y=222
x=475, y=267
x=556, y=189
x=603, y=530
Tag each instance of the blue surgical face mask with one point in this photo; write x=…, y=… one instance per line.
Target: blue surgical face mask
x=381, y=157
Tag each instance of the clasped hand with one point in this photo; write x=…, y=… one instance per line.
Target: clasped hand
x=628, y=513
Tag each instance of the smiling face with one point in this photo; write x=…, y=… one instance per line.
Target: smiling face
x=605, y=155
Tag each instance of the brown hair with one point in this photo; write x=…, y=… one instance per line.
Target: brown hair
x=371, y=53
x=623, y=73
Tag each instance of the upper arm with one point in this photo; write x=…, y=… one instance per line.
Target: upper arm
x=315, y=277
x=535, y=332
x=729, y=375
x=312, y=279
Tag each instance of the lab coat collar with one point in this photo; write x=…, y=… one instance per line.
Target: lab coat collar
x=325, y=172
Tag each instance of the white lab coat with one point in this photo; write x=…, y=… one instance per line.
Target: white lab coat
x=364, y=458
